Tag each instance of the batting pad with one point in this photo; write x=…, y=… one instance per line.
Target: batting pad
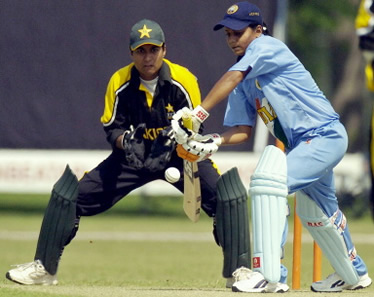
x=327, y=235
x=232, y=223
x=58, y=222
x=268, y=192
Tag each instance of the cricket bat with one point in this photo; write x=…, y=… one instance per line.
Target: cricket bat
x=192, y=190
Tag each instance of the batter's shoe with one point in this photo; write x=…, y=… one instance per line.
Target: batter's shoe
x=254, y=282
x=32, y=273
x=334, y=283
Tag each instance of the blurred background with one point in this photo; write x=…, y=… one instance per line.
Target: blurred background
x=57, y=57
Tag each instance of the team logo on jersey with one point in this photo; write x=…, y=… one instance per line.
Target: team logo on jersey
x=269, y=117
x=232, y=9
x=152, y=133
x=266, y=112
x=169, y=111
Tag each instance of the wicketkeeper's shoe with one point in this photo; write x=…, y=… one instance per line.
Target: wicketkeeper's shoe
x=254, y=282
x=334, y=283
x=32, y=273
x=239, y=274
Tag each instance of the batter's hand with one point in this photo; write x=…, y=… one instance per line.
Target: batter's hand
x=198, y=116
x=200, y=147
x=181, y=133
x=184, y=154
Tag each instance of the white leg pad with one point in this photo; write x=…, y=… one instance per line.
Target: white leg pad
x=268, y=192
x=327, y=235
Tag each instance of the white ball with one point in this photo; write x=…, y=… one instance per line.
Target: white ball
x=172, y=175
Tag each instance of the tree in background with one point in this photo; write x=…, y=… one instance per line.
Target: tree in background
x=322, y=34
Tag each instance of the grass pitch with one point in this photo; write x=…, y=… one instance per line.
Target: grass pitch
x=128, y=252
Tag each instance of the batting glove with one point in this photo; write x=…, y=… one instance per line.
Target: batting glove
x=184, y=154
x=200, y=147
x=181, y=133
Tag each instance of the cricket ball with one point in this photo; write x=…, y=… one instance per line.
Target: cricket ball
x=172, y=175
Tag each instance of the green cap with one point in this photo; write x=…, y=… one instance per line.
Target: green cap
x=146, y=32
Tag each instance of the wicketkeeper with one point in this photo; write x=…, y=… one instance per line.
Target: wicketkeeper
x=140, y=102
x=365, y=32
x=269, y=81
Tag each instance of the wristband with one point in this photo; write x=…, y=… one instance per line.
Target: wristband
x=200, y=113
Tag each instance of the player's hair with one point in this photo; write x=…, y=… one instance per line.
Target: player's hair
x=265, y=28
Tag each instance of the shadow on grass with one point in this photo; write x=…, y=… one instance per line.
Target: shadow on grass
x=132, y=205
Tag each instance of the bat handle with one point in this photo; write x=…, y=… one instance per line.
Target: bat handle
x=187, y=121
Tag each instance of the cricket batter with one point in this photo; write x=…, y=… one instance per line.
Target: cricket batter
x=269, y=81
x=140, y=101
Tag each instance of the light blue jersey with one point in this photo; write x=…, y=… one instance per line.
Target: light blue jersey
x=280, y=90
x=283, y=93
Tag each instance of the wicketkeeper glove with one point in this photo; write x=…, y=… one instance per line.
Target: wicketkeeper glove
x=181, y=133
x=200, y=147
x=161, y=151
x=133, y=146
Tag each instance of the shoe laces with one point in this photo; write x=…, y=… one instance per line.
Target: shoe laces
x=37, y=265
x=241, y=273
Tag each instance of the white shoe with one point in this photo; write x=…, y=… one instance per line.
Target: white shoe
x=239, y=274
x=32, y=273
x=334, y=283
x=254, y=282
x=276, y=288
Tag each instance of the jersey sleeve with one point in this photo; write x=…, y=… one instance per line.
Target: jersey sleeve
x=108, y=118
x=364, y=21
x=187, y=82
x=238, y=110
x=264, y=55
x=191, y=85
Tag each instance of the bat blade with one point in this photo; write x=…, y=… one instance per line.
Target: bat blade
x=192, y=190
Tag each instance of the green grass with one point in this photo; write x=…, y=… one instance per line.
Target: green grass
x=145, y=267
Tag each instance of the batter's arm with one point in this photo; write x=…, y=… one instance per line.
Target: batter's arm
x=236, y=135
x=223, y=87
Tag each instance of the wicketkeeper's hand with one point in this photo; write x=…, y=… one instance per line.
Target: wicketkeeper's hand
x=181, y=133
x=161, y=151
x=133, y=146
x=199, y=148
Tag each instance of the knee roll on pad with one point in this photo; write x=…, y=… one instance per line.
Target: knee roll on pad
x=327, y=235
x=268, y=192
x=58, y=222
x=232, y=222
